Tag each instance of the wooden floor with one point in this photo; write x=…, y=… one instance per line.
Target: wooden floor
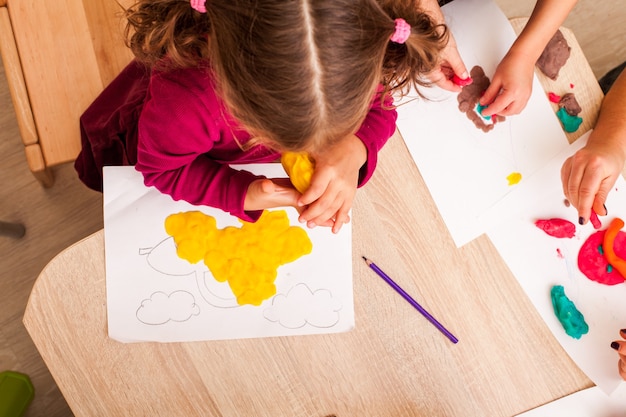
x=57, y=217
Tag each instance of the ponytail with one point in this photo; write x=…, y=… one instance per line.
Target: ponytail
x=405, y=64
x=167, y=28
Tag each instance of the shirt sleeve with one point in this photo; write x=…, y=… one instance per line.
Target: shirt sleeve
x=379, y=125
x=177, y=131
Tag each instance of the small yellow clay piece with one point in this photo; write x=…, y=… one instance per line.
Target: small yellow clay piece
x=247, y=257
x=299, y=166
x=514, y=178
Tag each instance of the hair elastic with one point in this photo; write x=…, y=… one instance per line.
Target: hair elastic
x=198, y=5
x=403, y=31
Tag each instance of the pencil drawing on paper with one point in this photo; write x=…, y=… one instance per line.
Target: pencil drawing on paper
x=161, y=308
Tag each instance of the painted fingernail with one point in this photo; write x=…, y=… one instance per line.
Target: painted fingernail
x=615, y=345
x=581, y=220
x=606, y=212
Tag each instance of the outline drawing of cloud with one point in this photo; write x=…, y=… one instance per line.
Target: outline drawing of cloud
x=160, y=308
x=163, y=258
x=301, y=306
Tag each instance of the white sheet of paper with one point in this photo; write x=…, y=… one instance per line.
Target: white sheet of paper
x=590, y=402
x=540, y=261
x=153, y=295
x=464, y=168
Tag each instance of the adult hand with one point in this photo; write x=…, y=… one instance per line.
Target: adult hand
x=588, y=176
x=620, y=347
x=328, y=199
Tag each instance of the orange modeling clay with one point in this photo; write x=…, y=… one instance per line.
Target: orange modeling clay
x=299, y=166
x=609, y=251
x=247, y=257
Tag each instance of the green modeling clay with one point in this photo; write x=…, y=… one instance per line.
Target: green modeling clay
x=572, y=320
x=570, y=123
x=479, y=110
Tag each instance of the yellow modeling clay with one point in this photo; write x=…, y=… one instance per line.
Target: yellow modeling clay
x=299, y=166
x=514, y=178
x=247, y=257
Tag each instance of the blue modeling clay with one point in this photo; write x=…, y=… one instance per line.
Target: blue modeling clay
x=571, y=319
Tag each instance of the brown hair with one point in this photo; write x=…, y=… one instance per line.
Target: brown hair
x=301, y=73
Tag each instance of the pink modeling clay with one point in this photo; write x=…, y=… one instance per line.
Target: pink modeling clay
x=595, y=221
x=554, y=97
x=560, y=228
x=460, y=81
x=593, y=263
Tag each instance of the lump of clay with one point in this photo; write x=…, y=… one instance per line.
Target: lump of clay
x=570, y=123
x=571, y=319
x=300, y=167
x=570, y=104
x=468, y=100
x=554, y=56
x=556, y=227
x=592, y=262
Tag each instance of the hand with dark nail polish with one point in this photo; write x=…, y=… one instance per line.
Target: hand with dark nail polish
x=620, y=347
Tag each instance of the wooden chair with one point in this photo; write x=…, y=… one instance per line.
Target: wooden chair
x=58, y=57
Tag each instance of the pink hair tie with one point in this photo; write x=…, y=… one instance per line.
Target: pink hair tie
x=403, y=31
x=198, y=5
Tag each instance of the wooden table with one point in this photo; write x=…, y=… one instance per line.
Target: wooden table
x=394, y=363
x=58, y=57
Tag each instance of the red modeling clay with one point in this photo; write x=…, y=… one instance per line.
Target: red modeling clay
x=557, y=227
x=608, y=245
x=595, y=221
x=554, y=98
x=460, y=81
x=593, y=264
x=571, y=85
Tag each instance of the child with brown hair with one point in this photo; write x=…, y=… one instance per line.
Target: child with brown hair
x=233, y=82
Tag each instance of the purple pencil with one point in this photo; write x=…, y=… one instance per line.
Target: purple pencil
x=410, y=299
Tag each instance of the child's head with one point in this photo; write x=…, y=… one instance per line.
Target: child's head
x=299, y=73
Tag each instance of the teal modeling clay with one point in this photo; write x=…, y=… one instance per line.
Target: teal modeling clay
x=570, y=123
x=479, y=110
x=571, y=319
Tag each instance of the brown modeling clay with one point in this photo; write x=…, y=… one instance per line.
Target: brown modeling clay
x=468, y=100
x=570, y=104
x=554, y=56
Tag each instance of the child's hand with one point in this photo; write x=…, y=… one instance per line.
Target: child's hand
x=620, y=347
x=333, y=185
x=268, y=193
x=451, y=65
x=588, y=176
x=451, y=62
x=510, y=87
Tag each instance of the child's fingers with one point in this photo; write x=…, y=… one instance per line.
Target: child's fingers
x=490, y=94
x=341, y=218
x=442, y=81
x=498, y=106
